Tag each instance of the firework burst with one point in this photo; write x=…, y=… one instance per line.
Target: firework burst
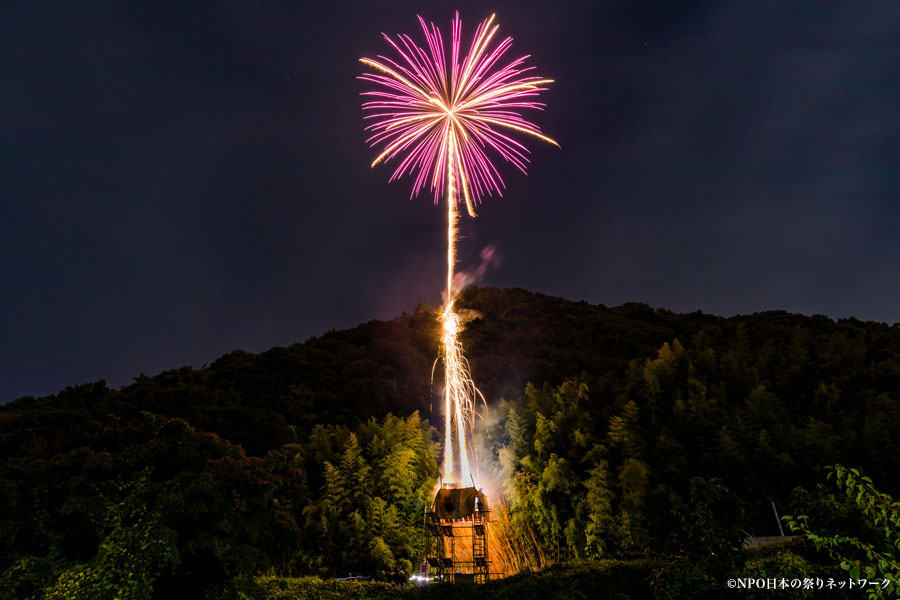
x=441, y=117
x=441, y=122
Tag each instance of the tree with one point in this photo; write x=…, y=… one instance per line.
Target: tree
x=368, y=516
x=156, y=509
x=873, y=555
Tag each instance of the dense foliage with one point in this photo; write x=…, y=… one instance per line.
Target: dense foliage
x=375, y=483
x=147, y=508
x=642, y=433
x=599, y=581
x=685, y=442
x=873, y=554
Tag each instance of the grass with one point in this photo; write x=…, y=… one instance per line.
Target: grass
x=609, y=580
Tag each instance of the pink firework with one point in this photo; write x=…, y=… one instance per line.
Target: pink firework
x=441, y=120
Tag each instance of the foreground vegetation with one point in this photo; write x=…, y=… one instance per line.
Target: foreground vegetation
x=602, y=581
x=641, y=454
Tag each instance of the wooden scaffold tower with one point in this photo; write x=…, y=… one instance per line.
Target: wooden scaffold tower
x=456, y=536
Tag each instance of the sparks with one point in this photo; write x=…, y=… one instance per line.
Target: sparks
x=440, y=119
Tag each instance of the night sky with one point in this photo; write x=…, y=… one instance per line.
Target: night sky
x=177, y=182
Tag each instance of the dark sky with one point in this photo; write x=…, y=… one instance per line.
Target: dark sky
x=181, y=179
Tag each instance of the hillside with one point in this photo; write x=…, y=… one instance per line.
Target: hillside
x=610, y=428
x=262, y=400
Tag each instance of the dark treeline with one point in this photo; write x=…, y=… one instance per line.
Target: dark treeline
x=617, y=432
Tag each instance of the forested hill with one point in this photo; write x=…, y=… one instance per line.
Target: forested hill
x=615, y=432
x=814, y=366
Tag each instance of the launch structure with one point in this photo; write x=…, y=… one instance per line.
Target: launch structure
x=456, y=535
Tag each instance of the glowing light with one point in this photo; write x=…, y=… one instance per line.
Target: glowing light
x=422, y=106
x=459, y=399
x=440, y=117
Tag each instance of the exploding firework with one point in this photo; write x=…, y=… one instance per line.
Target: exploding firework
x=439, y=122
x=441, y=117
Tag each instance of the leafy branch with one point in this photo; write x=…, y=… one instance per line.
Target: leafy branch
x=881, y=514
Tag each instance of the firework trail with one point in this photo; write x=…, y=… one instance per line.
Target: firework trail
x=440, y=117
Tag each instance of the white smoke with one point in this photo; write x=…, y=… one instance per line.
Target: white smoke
x=490, y=259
